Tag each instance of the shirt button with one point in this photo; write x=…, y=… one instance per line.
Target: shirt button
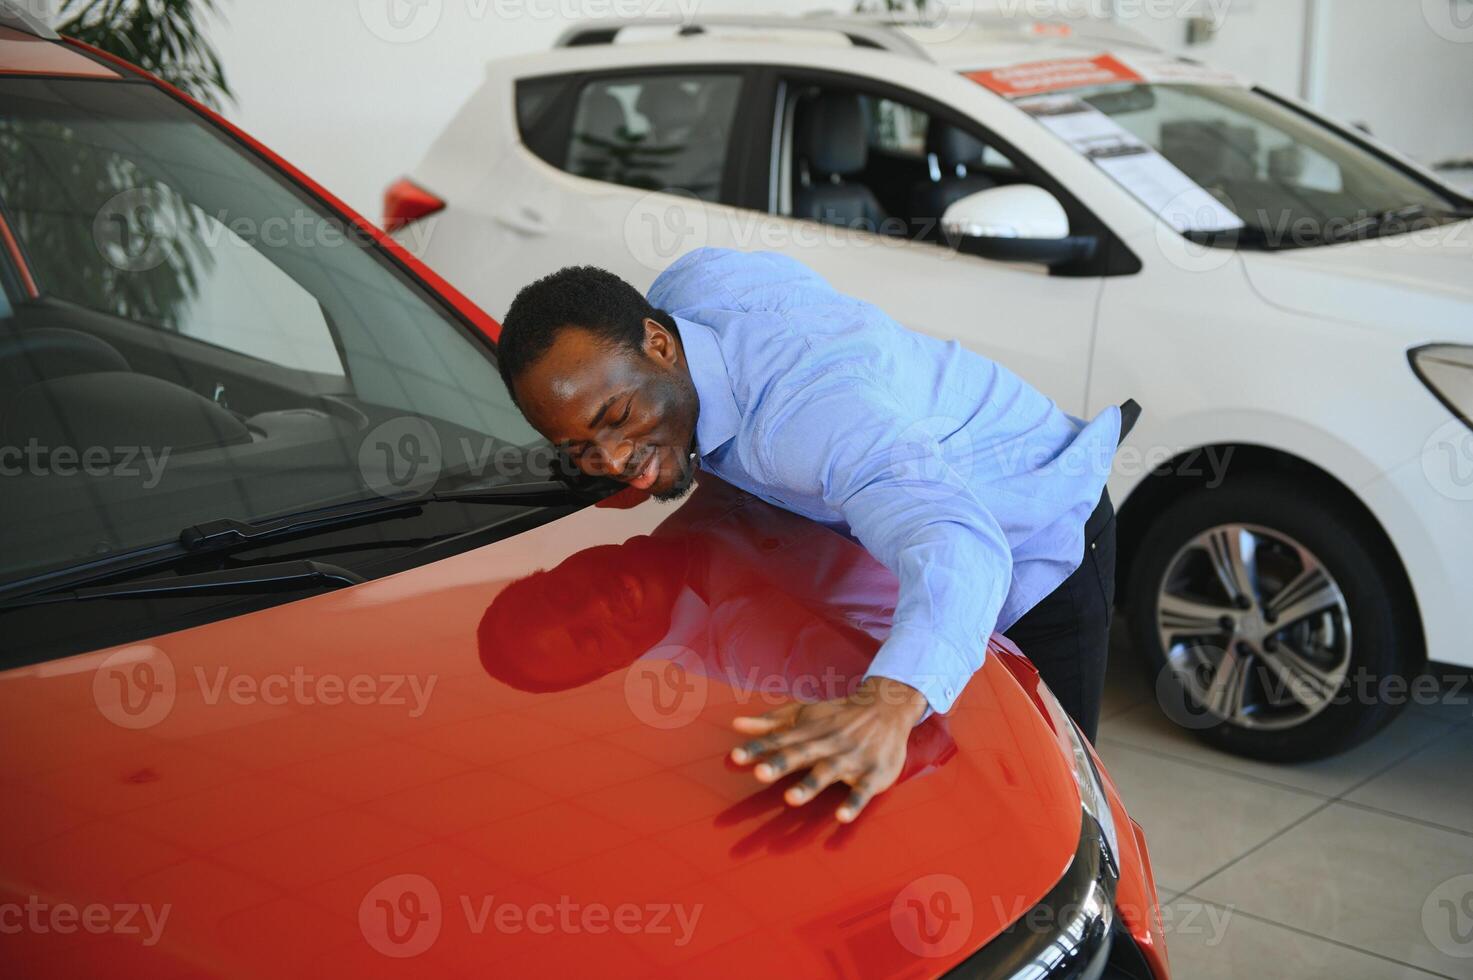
x=950, y=693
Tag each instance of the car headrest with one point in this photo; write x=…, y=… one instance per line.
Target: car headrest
x=667, y=106
x=601, y=118
x=113, y=409
x=953, y=147
x=29, y=356
x=831, y=133
x=1211, y=148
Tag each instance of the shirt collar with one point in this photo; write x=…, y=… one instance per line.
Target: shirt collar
x=719, y=416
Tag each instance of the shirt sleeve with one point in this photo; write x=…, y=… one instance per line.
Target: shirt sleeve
x=847, y=440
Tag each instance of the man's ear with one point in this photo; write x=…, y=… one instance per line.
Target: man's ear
x=659, y=343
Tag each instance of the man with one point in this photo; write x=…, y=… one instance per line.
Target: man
x=984, y=499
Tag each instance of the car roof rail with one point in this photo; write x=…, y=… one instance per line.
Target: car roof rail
x=867, y=30
x=18, y=17
x=861, y=32
x=999, y=22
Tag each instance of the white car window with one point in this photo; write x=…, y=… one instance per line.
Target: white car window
x=658, y=132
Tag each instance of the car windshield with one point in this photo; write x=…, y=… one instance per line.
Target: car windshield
x=186, y=336
x=1290, y=179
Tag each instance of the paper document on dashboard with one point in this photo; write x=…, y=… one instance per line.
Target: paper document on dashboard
x=1158, y=183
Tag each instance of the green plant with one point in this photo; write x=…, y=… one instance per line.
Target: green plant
x=165, y=37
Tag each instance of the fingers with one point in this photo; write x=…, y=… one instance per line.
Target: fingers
x=863, y=790
x=795, y=757
x=775, y=727
x=770, y=722
x=819, y=778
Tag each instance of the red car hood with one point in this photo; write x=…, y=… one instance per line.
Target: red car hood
x=471, y=766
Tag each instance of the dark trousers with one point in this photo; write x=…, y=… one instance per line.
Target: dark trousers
x=1067, y=635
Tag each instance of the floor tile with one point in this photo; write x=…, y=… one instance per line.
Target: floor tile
x=1432, y=785
x=1366, y=879
x=1212, y=942
x=1146, y=727
x=1196, y=819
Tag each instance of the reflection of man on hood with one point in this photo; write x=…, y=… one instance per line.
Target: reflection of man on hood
x=751, y=594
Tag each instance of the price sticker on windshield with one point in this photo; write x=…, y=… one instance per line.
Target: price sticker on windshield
x=1038, y=77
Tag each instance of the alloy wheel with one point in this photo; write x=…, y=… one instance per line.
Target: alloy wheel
x=1254, y=626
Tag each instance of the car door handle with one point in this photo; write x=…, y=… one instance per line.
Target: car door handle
x=527, y=220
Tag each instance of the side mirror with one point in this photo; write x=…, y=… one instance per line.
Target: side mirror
x=1017, y=223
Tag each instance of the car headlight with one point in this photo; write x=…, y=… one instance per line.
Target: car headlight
x=1069, y=933
x=1091, y=788
x=1092, y=792
x=1447, y=369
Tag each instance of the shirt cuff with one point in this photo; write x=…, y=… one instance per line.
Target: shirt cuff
x=931, y=665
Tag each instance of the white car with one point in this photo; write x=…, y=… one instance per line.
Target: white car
x=1290, y=301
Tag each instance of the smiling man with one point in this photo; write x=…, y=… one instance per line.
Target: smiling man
x=983, y=497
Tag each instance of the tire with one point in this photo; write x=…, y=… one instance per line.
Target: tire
x=1292, y=680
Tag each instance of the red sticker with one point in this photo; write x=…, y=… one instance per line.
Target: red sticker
x=1054, y=76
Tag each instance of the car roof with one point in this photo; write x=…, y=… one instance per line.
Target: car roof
x=976, y=42
x=29, y=47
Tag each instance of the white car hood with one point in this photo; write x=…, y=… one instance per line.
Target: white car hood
x=1420, y=283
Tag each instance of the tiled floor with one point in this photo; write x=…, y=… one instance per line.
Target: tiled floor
x=1346, y=868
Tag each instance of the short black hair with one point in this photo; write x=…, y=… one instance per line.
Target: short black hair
x=578, y=295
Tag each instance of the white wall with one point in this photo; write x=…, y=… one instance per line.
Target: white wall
x=1263, y=39
x=335, y=88
x=1403, y=67
x=1406, y=69
x=354, y=100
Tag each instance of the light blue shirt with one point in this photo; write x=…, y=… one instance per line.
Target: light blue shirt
x=966, y=482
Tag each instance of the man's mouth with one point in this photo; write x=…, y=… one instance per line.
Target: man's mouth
x=648, y=473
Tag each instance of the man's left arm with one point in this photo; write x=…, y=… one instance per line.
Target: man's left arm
x=846, y=438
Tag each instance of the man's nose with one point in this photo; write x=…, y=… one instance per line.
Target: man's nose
x=610, y=458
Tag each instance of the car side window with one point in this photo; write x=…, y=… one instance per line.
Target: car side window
x=863, y=160
x=658, y=132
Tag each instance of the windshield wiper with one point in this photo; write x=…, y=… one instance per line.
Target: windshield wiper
x=1374, y=222
x=229, y=533
x=221, y=536
x=276, y=576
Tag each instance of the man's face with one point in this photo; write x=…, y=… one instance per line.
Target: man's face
x=629, y=415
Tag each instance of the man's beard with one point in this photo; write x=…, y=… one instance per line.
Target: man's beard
x=685, y=481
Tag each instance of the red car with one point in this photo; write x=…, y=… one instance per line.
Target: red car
x=312, y=666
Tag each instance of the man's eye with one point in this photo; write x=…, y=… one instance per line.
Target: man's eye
x=628, y=407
